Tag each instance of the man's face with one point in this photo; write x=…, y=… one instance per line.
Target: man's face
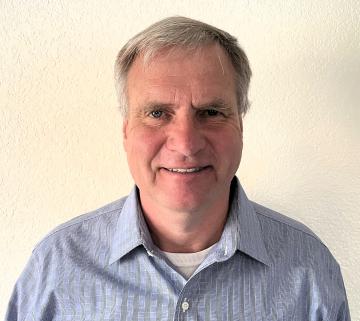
x=183, y=133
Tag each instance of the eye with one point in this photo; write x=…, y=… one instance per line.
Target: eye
x=212, y=112
x=156, y=113
x=209, y=113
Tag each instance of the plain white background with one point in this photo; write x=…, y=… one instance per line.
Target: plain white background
x=60, y=129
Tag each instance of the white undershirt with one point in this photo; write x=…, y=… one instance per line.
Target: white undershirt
x=187, y=263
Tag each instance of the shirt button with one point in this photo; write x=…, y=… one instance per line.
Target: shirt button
x=185, y=306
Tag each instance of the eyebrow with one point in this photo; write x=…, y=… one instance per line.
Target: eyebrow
x=154, y=104
x=217, y=103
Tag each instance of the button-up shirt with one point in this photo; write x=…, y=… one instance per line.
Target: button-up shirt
x=104, y=266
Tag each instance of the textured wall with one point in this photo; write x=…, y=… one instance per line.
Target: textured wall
x=60, y=131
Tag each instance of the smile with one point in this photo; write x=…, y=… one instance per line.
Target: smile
x=185, y=170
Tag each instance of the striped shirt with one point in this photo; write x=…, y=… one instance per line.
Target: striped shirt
x=104, y=266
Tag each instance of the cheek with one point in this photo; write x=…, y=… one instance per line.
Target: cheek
x=228, y=141
x=228, y=151
x=232, y=148
x=143, y=144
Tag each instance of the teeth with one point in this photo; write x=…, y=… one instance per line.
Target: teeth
x=185, y=170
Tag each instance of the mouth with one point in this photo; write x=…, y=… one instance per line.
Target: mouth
x=187, y=170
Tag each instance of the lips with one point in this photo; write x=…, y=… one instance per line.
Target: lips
x=186, y=170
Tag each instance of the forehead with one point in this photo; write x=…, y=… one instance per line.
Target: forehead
x=199, y=72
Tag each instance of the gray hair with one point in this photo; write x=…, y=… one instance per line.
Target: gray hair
x=174, y=32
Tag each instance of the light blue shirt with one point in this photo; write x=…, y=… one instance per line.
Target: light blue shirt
x=104, y=266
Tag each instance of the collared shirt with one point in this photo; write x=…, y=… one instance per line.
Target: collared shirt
x=104, y=266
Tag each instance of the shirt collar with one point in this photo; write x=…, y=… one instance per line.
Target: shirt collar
x=131, y=230
x=242, y=230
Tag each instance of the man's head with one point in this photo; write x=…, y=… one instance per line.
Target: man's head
x=181, y=32
x=185, y=97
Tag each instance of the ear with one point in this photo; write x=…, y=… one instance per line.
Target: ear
x=124, y=131
x=241, y=126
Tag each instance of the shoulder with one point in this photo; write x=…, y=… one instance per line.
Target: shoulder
x=271, y=217
x=291, y=242
x=93, y=226
x=63, y=256
x=302, y=262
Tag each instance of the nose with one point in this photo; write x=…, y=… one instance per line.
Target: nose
x=185, y=137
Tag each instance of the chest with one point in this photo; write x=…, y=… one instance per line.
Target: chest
x=233, y=290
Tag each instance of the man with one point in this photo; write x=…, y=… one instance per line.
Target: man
x=186, y=244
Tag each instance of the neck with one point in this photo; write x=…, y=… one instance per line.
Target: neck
x=186, y=232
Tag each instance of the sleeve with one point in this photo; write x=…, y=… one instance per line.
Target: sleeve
x=26, y=297
x=340, y=308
